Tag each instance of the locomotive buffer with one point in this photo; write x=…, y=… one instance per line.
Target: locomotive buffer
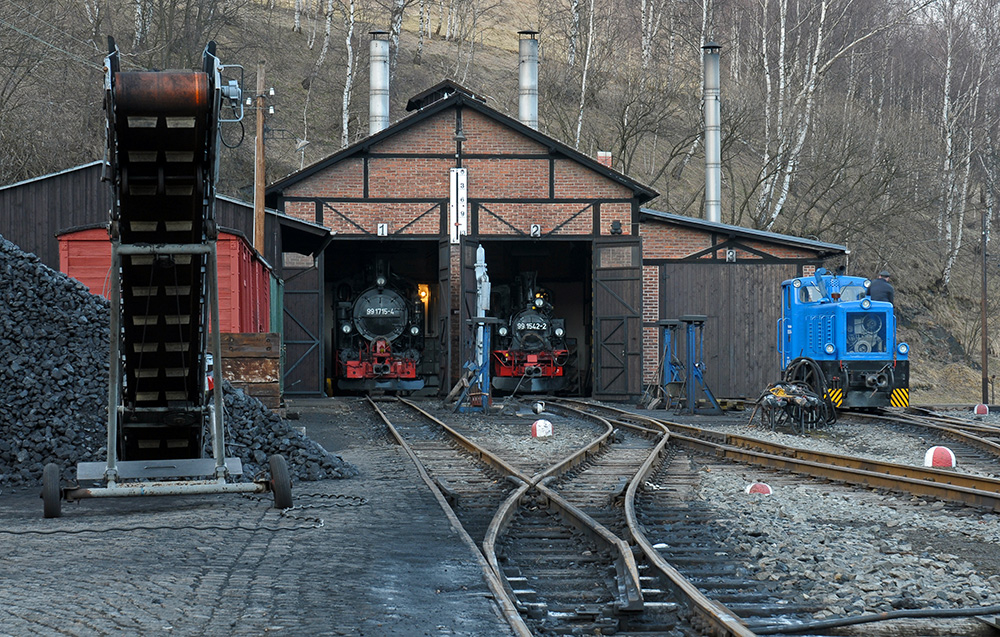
x=163, y=140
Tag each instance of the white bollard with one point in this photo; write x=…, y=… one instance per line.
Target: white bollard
x=541, y=428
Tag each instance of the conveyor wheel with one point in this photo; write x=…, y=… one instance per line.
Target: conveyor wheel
x=51, y=491
x=281, y=483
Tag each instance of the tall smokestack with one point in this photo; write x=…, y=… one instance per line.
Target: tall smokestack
x=713, y=144
x=527, y=66
x=378, y=104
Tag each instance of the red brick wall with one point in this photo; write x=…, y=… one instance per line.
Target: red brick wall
x=488, y=136
x=548, y=216
x=345, y=179
x=488, y=178
x=572, y=179
x=507, y=178
x=663, y=240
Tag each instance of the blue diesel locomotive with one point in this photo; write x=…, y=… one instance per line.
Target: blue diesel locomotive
x=835, y=339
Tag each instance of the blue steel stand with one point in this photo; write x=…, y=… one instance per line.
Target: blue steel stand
x=672, y=378
x=480, y=372
x=695, y=365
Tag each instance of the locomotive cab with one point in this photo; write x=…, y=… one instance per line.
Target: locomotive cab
x=834, y=337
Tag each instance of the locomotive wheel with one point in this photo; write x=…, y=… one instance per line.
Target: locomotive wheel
x=51, y=491
x=281, y=483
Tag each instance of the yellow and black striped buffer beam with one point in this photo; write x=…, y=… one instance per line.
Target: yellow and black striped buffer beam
x=836, y=396
x=900, y=397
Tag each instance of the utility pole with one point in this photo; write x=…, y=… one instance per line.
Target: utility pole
x=985, y=339
x=258, y=172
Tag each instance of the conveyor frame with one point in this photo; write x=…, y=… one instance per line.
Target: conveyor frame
x=163, y=142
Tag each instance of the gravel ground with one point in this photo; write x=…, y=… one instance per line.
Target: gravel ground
x=855, y=551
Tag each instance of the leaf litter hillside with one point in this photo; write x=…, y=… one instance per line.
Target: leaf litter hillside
x=871, y=132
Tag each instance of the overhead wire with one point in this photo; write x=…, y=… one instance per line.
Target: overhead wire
x=52, y=26
x=70, y=55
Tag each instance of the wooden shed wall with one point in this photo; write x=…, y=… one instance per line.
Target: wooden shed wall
x=33, y=212
x=741, y=299
x=743, y=304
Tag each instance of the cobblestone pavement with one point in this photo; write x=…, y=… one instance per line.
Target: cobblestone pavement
x=372, y=555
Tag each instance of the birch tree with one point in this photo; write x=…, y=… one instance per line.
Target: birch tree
x=586, y=68
x=349, y=70
x=797, y=50
x=959, y=121
x=650, y=21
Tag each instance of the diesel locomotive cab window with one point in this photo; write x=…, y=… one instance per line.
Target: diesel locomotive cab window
x=809, y=294
x=853, y=293
x=866, y=332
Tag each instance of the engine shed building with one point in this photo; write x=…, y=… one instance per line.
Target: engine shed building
x=614, y=267
x=422, y=194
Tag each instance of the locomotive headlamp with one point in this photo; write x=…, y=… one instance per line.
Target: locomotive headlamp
x=539, y=302
x=414, y=330
x=380, y=281
x=867, y=283
x=346, y=328
x=560, y=331
x=866, y=303
x=829, y=349
x=503, y=330
x=797, y=283
x=903, y=348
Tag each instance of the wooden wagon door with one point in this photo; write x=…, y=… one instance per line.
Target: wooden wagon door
x=303, y=330
x=617, y=344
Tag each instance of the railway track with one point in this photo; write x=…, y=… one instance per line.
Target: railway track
x=608, y=534
x=691, y=534
x=976, y=444
x=552, y=545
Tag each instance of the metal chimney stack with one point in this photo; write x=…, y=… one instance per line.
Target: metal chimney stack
x=527, y=66
x=713, y=143
x=378, y=106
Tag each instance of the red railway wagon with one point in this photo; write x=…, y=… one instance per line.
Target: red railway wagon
x=244, y=278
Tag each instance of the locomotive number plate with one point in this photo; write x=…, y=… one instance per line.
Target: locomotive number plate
x=532, y=326
x=382, y=311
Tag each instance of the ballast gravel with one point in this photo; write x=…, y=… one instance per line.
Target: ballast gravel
x=54, y=342
x=852, y=551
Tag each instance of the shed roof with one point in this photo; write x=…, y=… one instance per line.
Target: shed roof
x=823, y=249
x=452, y=95
x=96, y=162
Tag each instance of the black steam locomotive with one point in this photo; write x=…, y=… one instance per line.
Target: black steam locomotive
x=379, y=333
x=529, y=346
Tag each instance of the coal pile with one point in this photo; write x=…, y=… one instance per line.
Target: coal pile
x=54, y=344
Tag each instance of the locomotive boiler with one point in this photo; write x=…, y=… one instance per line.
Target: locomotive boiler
x=841, y=343
x=379, y=334
x=529, y=346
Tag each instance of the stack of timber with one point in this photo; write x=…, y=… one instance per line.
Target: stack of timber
x=252, y=362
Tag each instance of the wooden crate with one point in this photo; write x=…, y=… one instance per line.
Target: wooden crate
x=252, y=362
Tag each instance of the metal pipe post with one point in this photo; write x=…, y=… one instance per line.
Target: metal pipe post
x=713, y=145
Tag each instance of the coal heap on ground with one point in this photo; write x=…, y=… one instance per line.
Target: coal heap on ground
x=54, y=343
